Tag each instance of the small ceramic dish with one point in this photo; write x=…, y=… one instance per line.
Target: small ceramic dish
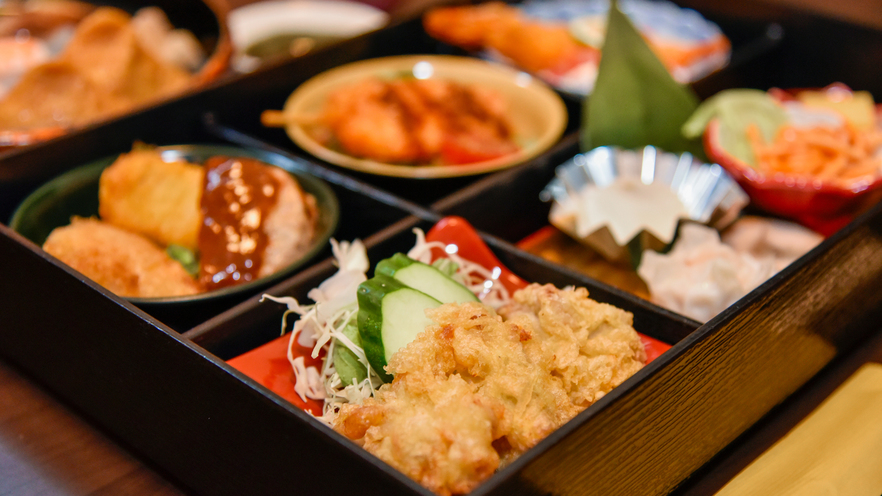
x=536, y=113
x=622, y=202
x=817, y=204
x=75, y=193
x=278, y=29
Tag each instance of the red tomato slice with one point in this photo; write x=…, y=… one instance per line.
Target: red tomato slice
x=463, y=149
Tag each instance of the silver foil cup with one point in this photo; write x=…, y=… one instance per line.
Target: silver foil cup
x=710, y=196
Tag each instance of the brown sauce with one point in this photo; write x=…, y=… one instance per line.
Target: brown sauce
x=237, y=195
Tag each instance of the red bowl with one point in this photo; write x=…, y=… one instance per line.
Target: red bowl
x=822, y=206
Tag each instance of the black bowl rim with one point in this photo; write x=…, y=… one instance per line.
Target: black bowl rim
x=329, y=208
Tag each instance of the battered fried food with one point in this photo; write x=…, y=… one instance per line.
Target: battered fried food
x=590, y=346
x=123, y=262
x=142, y=193
x=103, y=71
x=475, y=391
x=106, y=49
x=469, y=26
x=161, y=203
x=413, y=121
x=50, y=90
x=532, y=45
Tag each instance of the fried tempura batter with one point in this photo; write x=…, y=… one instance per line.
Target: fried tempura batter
x=142, y=193
x=123, y=262
x=475, y=391
x=591, y=347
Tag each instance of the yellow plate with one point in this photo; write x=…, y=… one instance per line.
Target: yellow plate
x=536, y=113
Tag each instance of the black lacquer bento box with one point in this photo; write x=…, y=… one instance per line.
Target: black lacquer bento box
x=159, y=381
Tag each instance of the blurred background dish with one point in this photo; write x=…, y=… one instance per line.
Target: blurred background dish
x=67, y=64
x=533, y=114
x=810, y=155
x=76, y=194
x=276, y=30
x=561, y=40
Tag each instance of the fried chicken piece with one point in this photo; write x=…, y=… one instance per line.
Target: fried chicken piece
x=103, y=72
x=473, y=392
x=439, y=433
x=538, y=46
x=366, y=125
x=123, y=262
x=142, y=193
x=590, y=346
x=53, y=94
x=419, y=121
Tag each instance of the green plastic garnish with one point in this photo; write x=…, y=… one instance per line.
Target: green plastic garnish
x=636, y=102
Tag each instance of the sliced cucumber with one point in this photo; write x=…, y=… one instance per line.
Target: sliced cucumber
x=425, y=278
x=390, y=315
x=345, y=362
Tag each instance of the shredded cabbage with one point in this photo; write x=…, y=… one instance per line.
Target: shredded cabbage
x=320, y=325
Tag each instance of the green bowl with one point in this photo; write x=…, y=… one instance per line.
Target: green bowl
x=76, y=193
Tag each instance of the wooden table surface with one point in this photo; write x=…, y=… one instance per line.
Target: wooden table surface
x=47, y=449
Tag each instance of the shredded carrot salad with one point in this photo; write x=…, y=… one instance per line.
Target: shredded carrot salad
x=831, y=154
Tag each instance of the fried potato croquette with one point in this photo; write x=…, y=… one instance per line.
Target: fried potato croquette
x=123, y=262
x=142, y=193
x=474, y=391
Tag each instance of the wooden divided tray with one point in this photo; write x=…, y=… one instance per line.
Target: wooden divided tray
x=160, y=381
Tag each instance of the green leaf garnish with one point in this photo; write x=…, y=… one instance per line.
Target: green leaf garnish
x=185, y=257
x=446, y=266
x=348, y=366
x=635, y=101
